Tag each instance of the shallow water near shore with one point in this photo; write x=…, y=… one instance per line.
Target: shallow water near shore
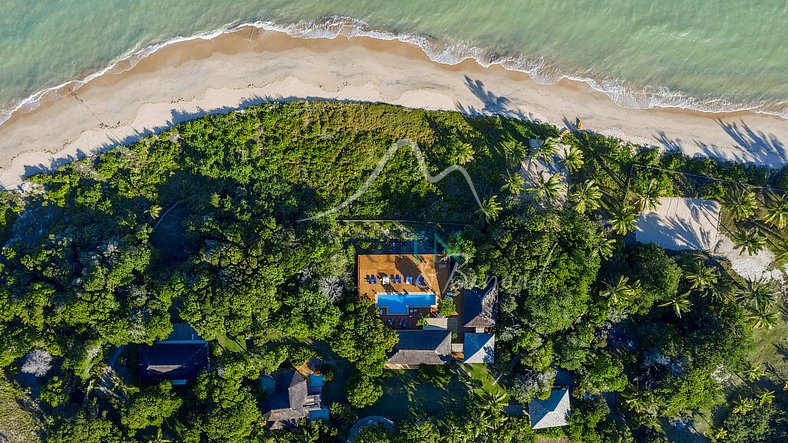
x=707, y=55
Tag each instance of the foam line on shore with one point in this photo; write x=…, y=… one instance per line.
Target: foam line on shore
x=450, y=54
x=183, y=81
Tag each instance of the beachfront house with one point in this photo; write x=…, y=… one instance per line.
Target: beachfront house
x=179, y=358
x=425, y=347
x=292, y=396
x=550, y=413
x=406, y=290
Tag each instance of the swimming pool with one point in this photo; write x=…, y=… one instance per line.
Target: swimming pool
x=399, y=303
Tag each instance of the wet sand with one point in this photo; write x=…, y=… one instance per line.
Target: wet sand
x=189, y=79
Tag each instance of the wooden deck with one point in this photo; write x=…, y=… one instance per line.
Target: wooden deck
x=433, y=268
x=409, y=320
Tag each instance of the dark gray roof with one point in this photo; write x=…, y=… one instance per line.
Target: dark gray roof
x=287, y=400
x=182, y=332
x=164, y=361
x=479, y=307
x=422, y=347
x=551, y=412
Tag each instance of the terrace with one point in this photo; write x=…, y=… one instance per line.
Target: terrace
x=404, y=287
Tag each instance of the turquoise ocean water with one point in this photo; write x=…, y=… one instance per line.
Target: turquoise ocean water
x=703, y=54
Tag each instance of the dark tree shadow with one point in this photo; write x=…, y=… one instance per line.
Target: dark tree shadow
x=677, y=234
x=762, y=149
x=668, y=143
x=493, y=103
x=570, y=125
x=55, y=163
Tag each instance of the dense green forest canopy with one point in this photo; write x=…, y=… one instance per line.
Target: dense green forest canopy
x=199, y=224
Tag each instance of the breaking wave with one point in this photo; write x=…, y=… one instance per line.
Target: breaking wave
x=540, y=70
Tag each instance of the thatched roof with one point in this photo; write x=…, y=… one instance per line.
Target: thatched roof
x=479, y=307
x=287, y=401
x=421, y=347
x=551, y=412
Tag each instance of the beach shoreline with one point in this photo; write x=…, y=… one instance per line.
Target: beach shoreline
x=199, y=76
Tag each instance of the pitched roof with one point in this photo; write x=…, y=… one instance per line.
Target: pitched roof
x=182, y=332
x=421, y=347
x=479, y=307
x=479, y=348
x=551, y=412
x=287, y=400
x=164, y=361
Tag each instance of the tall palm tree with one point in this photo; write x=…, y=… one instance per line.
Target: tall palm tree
x=758, y=294
x=621, y=290
x=546, y=150
x=765, y=397
x=159, y=437
x=573, y=158
x=514, y=183
x=752, y=372
x=606, y=247
x=761, y=318
x=716, y=434
x=723, y=290
x=701, y=277
x=492, y=207
x=154, y=211
x=622, y=220
x=465, y=155
x=546, y=189
x=741, y=202
x=489, y=410
x=586, y=196
x=637, y=400
x=743, y=405
x=777, y=211
x=451, y=426
x=513, y=150
x=680, y=303
x=649, y=197
x=493, y=403
x=749, y=240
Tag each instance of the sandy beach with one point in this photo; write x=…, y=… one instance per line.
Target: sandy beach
x=188, y=79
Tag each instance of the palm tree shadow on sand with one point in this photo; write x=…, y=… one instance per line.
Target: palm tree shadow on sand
x=761, y=148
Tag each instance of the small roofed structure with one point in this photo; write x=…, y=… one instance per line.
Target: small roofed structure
x=291, y=400
x=432, y=347
x=479, y=308
x=179, y=358
x=550, y=413
x=479, y=348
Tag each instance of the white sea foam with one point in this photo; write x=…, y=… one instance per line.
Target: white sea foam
x=540, y=70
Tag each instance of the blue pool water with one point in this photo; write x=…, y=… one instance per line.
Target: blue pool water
x=315, y=381
x=399, y=303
